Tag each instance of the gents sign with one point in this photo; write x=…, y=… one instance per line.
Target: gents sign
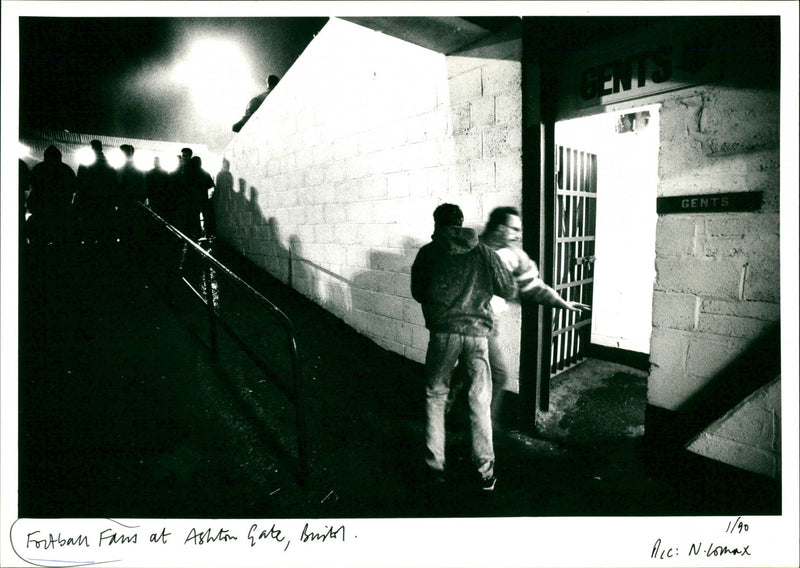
x=715, y=202
x=631, y=72
x=666, y=56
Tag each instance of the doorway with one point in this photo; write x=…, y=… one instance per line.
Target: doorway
x=606, y=180
x=624, y=144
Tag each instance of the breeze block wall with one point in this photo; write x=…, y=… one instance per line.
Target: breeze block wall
x=717, y=287
x=338, y=172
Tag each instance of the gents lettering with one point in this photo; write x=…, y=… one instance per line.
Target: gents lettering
x=704, y=202
x=617, y=76
x=606, y=75
x=623, y=73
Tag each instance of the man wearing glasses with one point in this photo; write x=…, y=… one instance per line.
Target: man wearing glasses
x=503, y=234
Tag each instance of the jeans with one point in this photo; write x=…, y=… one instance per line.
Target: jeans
x=497, y=364
x=444, y=350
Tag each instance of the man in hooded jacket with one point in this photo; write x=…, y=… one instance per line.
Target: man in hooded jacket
x=50, y=201
x=454, y=278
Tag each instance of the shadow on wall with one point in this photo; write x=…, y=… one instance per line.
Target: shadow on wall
x=383, y=292
x=754, y=368
x=241, y=222
x=374, y=304
x=313, y=280
x=374, y=300
x=371, y=298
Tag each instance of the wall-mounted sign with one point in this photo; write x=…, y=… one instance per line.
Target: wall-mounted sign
x=711, y=203
x=628, y=73
x=671, y=56
x=664, y=55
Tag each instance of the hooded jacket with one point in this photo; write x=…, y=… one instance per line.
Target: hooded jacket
x=454, y=277
x=52, y=186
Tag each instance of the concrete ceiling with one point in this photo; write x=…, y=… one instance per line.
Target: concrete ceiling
x=440, y=34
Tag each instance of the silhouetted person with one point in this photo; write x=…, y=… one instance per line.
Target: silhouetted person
x=200, y=184
x=162, y=202
x=190, y=185
x=454, y=278
x=97, y=197
x=50, y=201
x=132, y=189
x=185, y=157
x=223, y=185
x=178, y=187
x=255, y=102
x=130, y=178
x=156, y=183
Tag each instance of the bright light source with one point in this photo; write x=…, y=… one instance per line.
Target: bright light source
x=84, y=156
x=23, y=151
x=115, y=158
x=143, y=160
x=218, y=76
x=212, y=164
x=169, y=162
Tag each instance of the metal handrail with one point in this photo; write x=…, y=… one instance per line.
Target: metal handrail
x=283, y=319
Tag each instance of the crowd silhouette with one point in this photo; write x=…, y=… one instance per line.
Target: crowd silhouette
x=97, y=205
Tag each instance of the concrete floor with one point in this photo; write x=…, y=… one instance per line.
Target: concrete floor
x=127, y=412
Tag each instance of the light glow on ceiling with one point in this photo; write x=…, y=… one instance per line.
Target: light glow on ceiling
x=218, y=77
x=84, y=156
x=169, y=162
x=143, y=160
x=115, y=158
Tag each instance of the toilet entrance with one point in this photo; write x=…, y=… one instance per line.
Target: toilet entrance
x=603, y=240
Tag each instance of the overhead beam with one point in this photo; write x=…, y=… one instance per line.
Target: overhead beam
x=441, y=34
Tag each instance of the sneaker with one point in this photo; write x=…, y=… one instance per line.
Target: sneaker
x=488, y=483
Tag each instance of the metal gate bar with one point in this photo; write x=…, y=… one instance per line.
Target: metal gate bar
x=576, y=196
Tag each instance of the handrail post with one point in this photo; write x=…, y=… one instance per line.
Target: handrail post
x=300, y=411
x=210, y=308
x=209, y=263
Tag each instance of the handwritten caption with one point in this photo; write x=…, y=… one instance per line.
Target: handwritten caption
x=731, y=543
x=56, y=542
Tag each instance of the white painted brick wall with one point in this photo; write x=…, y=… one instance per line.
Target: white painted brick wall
x=702, y=276
x=676, y=236
x=346, y=160
x=675, y=310
x=718, y=274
